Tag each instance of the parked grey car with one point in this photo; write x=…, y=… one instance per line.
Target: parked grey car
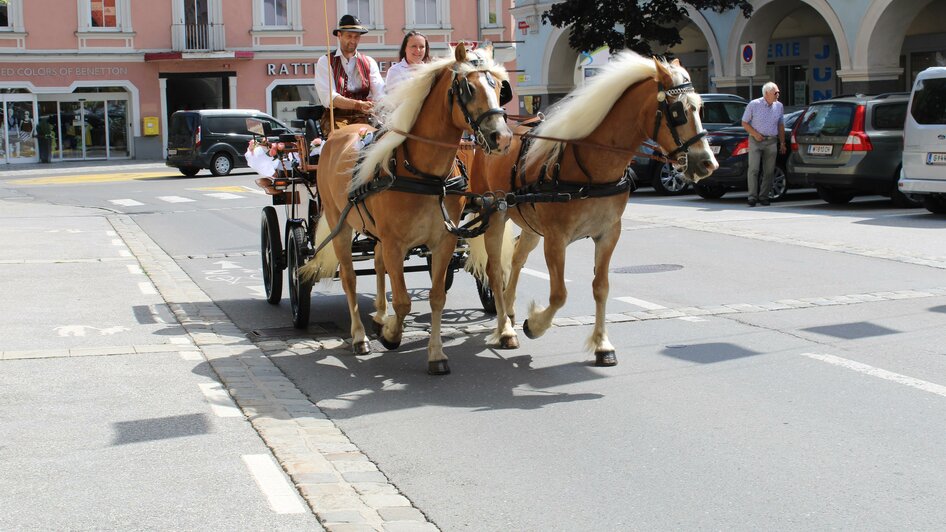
x=852, y=145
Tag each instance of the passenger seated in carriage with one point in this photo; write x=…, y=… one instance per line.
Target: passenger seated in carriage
x=354, y=82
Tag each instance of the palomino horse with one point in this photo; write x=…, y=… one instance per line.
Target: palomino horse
x=396, y=193
x=570, y=185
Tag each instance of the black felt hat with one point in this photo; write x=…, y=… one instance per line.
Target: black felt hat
x=349, y=23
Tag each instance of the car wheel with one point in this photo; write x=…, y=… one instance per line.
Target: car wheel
x=835, y=196
x=189, y=171
x=709, y=191
x=779, y=185
x=668, y=181
x=935, y=204
x=221, y=164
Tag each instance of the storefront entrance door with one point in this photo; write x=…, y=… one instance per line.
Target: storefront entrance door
x=18, y=144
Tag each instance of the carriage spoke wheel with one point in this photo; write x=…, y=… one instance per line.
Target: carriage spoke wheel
x=272, y=256
x=486, y=297
x=300, y=292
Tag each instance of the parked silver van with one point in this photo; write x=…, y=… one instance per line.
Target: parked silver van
x=924, y=141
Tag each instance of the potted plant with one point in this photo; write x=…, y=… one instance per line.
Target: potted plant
x=46, y=137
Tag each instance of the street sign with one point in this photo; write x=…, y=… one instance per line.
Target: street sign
x=524, y=26
x=747, y=60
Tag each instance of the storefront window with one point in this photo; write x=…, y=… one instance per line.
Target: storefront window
x=285, y=98
x=19, y=120
x=4, y=14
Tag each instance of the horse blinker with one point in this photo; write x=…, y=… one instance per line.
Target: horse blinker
x=505, y=93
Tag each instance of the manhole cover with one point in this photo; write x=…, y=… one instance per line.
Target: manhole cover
x=648, y=268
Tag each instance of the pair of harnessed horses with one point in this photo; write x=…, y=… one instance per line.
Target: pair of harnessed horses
x=556, y=181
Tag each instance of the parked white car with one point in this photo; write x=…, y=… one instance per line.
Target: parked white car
x=923, y=175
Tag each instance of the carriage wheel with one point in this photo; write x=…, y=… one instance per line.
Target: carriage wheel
x=273, y=259
x=300, y=292
x=486, y=297
x=448, y=278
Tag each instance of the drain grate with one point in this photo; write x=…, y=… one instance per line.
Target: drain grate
x=648, y=268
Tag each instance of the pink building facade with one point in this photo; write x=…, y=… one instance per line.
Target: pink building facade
x=103, y=76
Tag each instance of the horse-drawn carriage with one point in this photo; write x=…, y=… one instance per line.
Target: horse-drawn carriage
x=294, y=186
x=561, y=181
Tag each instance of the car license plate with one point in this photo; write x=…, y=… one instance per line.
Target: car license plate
x=715, y=149
x=935, y=158
x=172, y=152
x=819, y=149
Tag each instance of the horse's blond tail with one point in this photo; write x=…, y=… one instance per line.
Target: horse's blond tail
x=323, y=266
x=476, y=259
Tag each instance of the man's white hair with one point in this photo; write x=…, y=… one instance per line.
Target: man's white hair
x=769, y=87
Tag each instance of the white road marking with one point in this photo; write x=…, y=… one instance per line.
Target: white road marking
x=258, y=290
x=126, y=202
x=135, y=269
x=174, y=199
x=880, y=373
x=147, y=288
x=540, y=275
x=118, y=242
x=223, y=195
x=640, y=303
x=220, y=401
x=111, y=233
x=124, y=253
x=282, y=497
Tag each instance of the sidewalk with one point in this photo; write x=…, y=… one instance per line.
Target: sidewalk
x=115, y=370
x=76, y=167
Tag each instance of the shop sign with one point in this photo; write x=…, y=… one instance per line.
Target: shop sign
x=65, y=71
x=307, y=69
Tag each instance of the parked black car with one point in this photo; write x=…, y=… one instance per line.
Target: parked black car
x=719, y=111
x=731, y=146
x=852, y=145
x=215, y=139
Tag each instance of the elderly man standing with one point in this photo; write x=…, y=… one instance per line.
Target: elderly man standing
x=355, y=81
x=763, y=120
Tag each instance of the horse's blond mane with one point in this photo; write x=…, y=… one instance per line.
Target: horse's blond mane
x=580, y=113
x=399, y=108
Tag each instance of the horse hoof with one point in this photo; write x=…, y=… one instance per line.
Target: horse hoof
x=389, y=345
x=528, y=331
x=605, y=359
x=509, y=342
x=438, y=367
x=361, y=348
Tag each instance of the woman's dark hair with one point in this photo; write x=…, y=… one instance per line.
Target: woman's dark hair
x=403, y=52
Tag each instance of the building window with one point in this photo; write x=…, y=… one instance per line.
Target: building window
x=427, y=13
x=112, y=15
x=11, y=15
x=491, y=13
x=275, y=13
x=103, y=14
x=368, y=12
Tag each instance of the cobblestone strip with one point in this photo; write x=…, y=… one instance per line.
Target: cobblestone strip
x=841, y=247
x=343, y=487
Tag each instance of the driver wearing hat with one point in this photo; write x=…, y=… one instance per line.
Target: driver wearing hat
x=355, y=81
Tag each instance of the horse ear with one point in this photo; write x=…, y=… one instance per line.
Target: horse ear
x=488, y=50
x=663, y=74
x=675, y=62
x=460, y=52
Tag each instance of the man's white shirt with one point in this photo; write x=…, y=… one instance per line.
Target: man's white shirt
x=323, y=81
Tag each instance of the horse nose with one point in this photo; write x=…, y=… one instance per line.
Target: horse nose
x=501, y=139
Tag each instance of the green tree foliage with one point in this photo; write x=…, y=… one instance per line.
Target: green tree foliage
x=620, y=24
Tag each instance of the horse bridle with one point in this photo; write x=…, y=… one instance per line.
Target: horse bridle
x=675, y=115
x=464, y=95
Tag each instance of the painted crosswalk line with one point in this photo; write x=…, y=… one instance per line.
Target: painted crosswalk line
x=175, y=199
x=126, y=202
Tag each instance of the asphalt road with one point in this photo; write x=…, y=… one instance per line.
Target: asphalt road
x=779, y=367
